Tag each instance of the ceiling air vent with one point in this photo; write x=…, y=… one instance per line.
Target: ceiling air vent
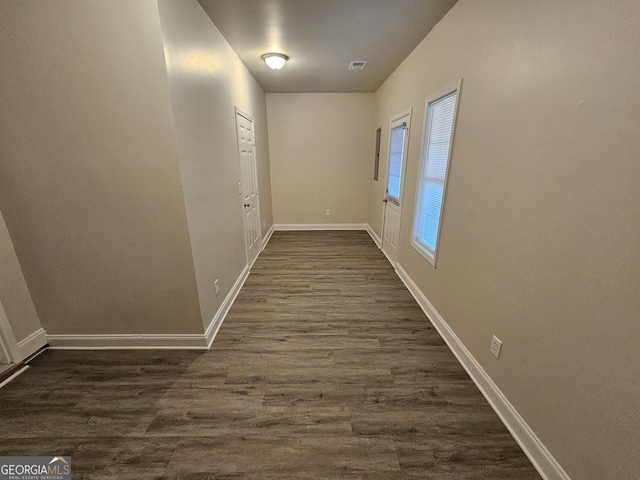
x=357, y=65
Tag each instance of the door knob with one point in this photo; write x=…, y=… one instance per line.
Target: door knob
x=385, y=200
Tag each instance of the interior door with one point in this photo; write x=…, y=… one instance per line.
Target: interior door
x=249, y=185
x=398, y=142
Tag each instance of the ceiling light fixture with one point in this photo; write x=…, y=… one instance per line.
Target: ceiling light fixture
x=275, y=61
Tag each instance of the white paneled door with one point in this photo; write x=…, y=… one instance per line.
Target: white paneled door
x=398, y=143
x=249, y=185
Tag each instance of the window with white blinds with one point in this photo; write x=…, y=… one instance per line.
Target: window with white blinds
x=440, y=114
x=396, y=154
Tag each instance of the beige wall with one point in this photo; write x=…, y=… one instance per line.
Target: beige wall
x=540, y=234
x=207, y=80
x=14, y=294
x=321, y=145
x=90, y=184
x=539, y=245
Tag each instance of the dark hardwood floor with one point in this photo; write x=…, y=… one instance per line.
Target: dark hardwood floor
x=325, y=368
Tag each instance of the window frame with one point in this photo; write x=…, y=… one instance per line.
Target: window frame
x=415, y=242
x=405, y=137
x=399, y=118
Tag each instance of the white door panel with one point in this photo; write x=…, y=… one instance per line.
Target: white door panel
x=397, y=159
x=391, y=231
x=249, y=186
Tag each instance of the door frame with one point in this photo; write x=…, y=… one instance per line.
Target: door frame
x=394, y=118
x=8, y=343
x=248, y=117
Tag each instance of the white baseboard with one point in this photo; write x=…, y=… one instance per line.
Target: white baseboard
x=32, y=343
x=320, y=226
x=391, y=261
x=14, y=375
x=373, y=236
x=540, y=457
x=128, y=341
x=196, y=341
x=216, y=322
x=267, y=237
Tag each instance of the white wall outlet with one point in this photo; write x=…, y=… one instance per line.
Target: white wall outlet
x=264, y=224
x=328, y=212
x=239, y=188
x=496, y=347
x=216, y=287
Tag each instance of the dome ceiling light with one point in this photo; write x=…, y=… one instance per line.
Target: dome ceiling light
x=275, y=61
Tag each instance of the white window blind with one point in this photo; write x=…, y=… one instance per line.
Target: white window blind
x=440, y=117
x=396, y=153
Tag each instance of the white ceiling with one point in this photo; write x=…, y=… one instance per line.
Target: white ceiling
x=322, y=37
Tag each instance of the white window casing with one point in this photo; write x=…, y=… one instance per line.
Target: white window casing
x=439, y=128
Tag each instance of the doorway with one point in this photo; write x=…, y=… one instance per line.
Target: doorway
x=398, y=146
x=249, y=185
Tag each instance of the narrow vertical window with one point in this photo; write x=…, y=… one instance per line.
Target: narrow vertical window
x=396, y=155
x=440, y=116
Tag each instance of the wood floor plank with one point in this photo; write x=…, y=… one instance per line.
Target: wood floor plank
x=288, y=456
x=325, y=368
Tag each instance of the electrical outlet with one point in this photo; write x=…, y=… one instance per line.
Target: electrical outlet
x=264, y=224
x=216, y=287
x=328, y=212
x=496, y=347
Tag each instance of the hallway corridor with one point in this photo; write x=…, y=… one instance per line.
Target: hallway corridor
x=325, y=368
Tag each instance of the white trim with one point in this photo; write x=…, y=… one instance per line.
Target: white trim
x=405, y=114
x=14, y=375
x=248, y=118
x=35, y=355
x=244, y=114
x=373, y=236
x=127, y=341
x=32, y=343
x=319, y=226
x=249, y=267
x=267, y=237
x=8, y=343
x=443, y=92
x=401, y=115
x=532, y=446
x=216, y=322
x=393, y=264
x=197, y=341
x=428, y=256
x=5, y=357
